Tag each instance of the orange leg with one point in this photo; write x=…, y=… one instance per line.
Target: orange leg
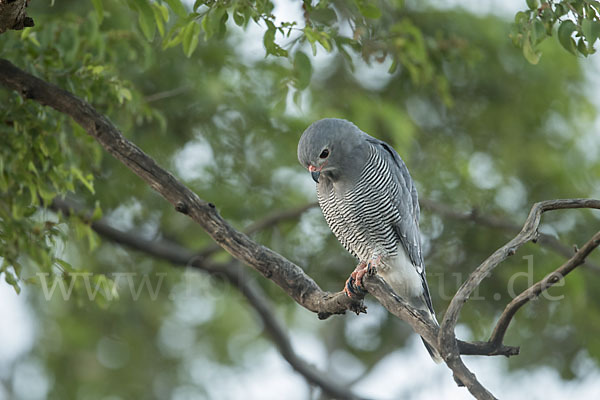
x=353, y=288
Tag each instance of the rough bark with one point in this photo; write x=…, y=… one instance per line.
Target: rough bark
x=13, y=15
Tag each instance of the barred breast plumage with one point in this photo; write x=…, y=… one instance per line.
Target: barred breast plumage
x=370, y=203
x=362, y=217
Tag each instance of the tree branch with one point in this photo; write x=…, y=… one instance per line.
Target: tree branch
x=500, y=224
x=448, y=346
x=528, y=233
x=167, y=93
x=181, y=256
x=287, y=275
x=421, y=325
x=13, y=15
x=236, y=276
x=536, y=289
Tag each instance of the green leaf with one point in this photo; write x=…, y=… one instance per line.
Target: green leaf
x=269, y=40
x=581, y=47
x=86, y=180
x=64, y=266
x=533, y=4
x=34, y=196
x=325, y=16
x=145, y=18
x=521, y=18
x=219, y=22
x=29, y=34
x=393, y=66
x=538, y=33
x=190, y=38
x=311, y=37
x=99, y=10
x=97, y=214
x=164, y=11
x=560, y=10
x=207, y=25
x=175, y=34
x=529, y=51
x=323, y=39
x=238, y=18
x=177, y=7
x=123, y=94
x=565, y=31
x=591, y=31
x=302, y=70
x=11, y=279
x=31, y=167
x=161, y=15
x=93, y=241
x=369, y=10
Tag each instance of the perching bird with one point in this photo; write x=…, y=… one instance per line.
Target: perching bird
x=370, y=203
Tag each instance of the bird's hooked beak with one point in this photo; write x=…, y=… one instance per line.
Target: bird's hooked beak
x=315, y=172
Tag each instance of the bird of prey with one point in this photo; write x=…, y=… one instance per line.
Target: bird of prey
x=370, y=203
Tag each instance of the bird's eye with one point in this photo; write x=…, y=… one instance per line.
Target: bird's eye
x=324, y=154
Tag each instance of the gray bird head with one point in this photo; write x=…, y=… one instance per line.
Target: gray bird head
x=333, y=148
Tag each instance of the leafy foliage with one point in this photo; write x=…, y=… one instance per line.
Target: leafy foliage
x=578, y=23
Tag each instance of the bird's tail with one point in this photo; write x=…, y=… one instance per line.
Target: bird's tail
x=435, y=355
x=426, y=298
x=410, y=284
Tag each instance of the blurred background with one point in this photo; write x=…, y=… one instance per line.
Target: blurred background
x=480, y=128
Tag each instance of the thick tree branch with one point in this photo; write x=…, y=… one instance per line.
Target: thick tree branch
x=13, y=15
x=536, y=289
x=236, y=276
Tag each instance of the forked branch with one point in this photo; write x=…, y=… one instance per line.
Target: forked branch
x=536, y=289
x=447, y=340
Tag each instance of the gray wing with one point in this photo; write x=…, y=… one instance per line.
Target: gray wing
x=407, y=203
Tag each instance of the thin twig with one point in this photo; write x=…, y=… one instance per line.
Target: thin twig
x=166, y=94
x=535, y=290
